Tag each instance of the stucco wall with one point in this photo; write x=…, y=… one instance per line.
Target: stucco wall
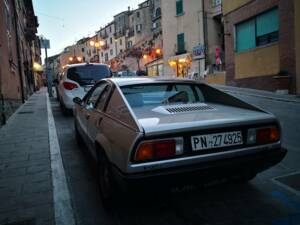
x=257, y=62
x=297, y=42
x=230, y=5
x=219, y=78
x=190, y=23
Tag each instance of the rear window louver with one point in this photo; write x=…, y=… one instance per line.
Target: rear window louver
x=183, y=108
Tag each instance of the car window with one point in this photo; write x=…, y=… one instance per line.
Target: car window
x=162, y=94
x=103, y=98
x=92, y=99
x=88, y=74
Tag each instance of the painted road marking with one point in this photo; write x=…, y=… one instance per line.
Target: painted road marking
x=290, y=189
x=61, y=196
x=293, y=219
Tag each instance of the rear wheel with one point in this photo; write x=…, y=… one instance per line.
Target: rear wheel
x=78, y=137
x=245, y=178
x=106, y=185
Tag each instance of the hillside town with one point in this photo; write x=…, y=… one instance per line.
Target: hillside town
x=167, y=112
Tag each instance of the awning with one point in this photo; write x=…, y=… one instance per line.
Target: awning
x=186, y=56
x=37, y=67
x=180, y=59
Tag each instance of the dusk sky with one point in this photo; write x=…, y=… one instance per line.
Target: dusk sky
x=67, y=21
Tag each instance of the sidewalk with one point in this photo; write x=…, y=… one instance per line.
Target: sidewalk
x=259, y=93
x=26, y=193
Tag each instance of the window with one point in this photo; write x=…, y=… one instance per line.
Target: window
x=109, y=29
x=129, y=44
x=121, y=42
x=179, y=7
x=103, y=98
x=139, y=27
x=138, y=14
x=101, y=54
x=110, y=41
x=111, y=52
x=157, y=12
x=215, y=3
x=180, y=43
x=258, y=31
x=82, y=49
x=106, y=57
x=88, y=74
x=93, y=96
x=162, y=94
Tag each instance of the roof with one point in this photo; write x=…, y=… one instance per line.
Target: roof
x=147, y=80
x=83, y=64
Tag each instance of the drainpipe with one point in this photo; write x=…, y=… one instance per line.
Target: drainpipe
x=204, y=18
x=18, y=51
x=2, y=114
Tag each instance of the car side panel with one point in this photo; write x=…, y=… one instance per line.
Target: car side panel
x=117, y=140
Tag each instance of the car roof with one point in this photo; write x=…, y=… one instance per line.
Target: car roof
x=123, y=81
x=84, y=64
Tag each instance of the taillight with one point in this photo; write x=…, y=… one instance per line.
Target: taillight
x=263, y=135
x=267, y=135
x=158, y=149
x=69, y=85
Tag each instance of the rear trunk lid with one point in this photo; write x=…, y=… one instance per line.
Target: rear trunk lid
x=164, y=120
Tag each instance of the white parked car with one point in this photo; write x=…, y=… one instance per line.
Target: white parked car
x=76, y=81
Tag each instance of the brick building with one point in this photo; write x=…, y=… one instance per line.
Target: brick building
x=18, y=49
x=262, y=44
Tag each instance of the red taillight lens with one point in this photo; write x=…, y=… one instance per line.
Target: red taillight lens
x=69, y=85
x=267, y=135
x=152, y=150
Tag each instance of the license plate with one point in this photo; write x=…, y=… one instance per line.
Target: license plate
x=218, y=140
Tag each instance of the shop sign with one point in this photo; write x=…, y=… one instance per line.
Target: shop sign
x=199, y=52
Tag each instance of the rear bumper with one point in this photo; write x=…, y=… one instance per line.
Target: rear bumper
x=202, y=172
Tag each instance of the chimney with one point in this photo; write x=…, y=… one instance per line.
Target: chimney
x=128, y=8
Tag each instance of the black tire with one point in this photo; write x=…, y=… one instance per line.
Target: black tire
x=245, y=178
x=107, y=186
x=78, y=137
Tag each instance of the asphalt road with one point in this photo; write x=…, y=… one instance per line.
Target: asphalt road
x=261, y=201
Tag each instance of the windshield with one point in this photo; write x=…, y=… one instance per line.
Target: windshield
x=88, y=74
x=162, y=94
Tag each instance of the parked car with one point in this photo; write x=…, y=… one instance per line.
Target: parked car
x=77, y=79
x=155, y=131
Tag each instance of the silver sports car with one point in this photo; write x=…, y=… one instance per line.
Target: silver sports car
x=151, y=130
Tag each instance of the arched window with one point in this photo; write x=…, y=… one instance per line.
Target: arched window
x=157, y=12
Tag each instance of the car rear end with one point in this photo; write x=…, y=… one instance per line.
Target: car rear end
x=79, y=79
x=190, y=135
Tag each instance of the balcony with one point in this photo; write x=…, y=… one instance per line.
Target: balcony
x=119, y=33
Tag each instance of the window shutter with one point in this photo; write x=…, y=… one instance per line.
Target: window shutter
x=179, y=7
x=245, y=35
x=267, y=22
x=180, y=43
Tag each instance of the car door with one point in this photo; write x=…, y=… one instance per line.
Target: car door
x=87, y=106
x=96, y=118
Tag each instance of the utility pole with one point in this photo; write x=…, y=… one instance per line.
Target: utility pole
x=45, y=43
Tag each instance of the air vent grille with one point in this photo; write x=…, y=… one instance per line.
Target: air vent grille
x=190, y=108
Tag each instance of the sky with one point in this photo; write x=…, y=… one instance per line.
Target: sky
x=66, y=21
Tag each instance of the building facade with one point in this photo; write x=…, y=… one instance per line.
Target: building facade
x=261, y=44
x=183, y=37
x=18, y=28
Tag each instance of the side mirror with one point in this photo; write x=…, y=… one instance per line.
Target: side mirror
x=77, y=100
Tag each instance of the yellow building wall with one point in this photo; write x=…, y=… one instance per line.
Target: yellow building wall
x=297, y=43
x=230, y=5
x=257, y=62
x=219, y=78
